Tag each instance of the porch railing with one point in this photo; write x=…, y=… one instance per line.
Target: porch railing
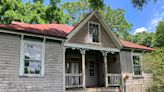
x=73, y=80
x=114, y=79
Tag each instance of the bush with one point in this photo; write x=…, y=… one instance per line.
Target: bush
x=154, y=64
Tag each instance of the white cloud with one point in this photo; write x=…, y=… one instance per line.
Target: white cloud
x=140, y=30
x=155, y=21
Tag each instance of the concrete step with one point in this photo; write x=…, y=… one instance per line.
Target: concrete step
x=110, y=89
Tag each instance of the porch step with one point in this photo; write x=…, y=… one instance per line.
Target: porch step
x=110, y=89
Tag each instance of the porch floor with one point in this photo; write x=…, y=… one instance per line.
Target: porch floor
x=99, y=89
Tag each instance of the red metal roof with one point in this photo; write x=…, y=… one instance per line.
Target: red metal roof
x=128, y=44
x=57, y=30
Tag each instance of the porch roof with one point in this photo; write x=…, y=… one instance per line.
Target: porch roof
x=57, y=30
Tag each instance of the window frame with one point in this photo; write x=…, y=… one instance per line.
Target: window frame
x=140, y=58
x=99, y=36
x=21, y=70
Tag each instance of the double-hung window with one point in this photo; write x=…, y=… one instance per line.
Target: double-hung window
x=32, y=58
x=137, y=68
x=94, y=34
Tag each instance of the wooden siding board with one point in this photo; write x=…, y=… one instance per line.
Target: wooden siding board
x=9, y=68
x=81, y=36
x=132, y=84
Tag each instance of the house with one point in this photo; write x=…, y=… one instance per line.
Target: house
x=60, y=58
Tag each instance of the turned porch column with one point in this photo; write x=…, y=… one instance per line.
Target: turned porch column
x=105, y=68
x=83, y=66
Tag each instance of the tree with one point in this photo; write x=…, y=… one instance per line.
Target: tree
x=76, y=10
x=144, y=38
x=55, y=14
x=114, y=18
x=31, y=12
x=41, y=1
x=140, y=3
x=99, y=4
x=154, y=64
x=96, y=4
x=159, y=35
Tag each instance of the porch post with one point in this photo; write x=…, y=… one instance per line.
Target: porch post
x=105, y=68
x=83, y=66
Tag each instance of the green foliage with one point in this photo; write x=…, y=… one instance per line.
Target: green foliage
x=139, y=4
x=96, y=4
x=36, y=12
x=41, y=1
x=154, y=63
x=76, y=10
x=159, y=35
x=114, y=18
x=54, y=13
x=144, y=38
x=99, y=4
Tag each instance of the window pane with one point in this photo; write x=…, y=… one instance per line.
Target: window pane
x=136, y=65
x=91, y=68
x=137, y=70
x=94, y=33
x=33, y=48
x=32, y=56
x=136, y=60
x=32, y=59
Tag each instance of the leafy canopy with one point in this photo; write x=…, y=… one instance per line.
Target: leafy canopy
x=159, y=35
x=144, y=38
x=114, y=18
x=99, y=4
x=154, y=64
x=31, y=12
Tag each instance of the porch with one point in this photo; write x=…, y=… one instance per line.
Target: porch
x=85, y=69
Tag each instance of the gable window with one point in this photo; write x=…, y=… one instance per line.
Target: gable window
x=32, y=58
x=94, y=29
x=137, y=69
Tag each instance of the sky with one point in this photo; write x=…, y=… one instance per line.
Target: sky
x=145, y=20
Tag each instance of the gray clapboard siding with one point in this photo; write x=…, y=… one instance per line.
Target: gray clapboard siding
x=81, y=37
x=132, y=84
x=9, y=68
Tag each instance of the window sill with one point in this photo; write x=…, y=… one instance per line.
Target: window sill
x=96, y=43
x=31, y=76
x=138, y=76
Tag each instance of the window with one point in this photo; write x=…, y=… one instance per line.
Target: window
x=91, y=68
x=94, y=32
x=137, y=69
x=73, y=65
x=32, y=58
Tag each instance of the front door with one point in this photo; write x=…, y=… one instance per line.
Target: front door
x=91, y=73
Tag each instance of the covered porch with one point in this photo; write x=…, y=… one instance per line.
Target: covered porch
x=86, y=68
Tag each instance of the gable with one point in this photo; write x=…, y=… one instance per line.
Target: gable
x=82, y=36
x=78, y=38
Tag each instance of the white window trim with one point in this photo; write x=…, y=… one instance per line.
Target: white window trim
x=140, y=56
x=91, y=22
x=21, y=68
